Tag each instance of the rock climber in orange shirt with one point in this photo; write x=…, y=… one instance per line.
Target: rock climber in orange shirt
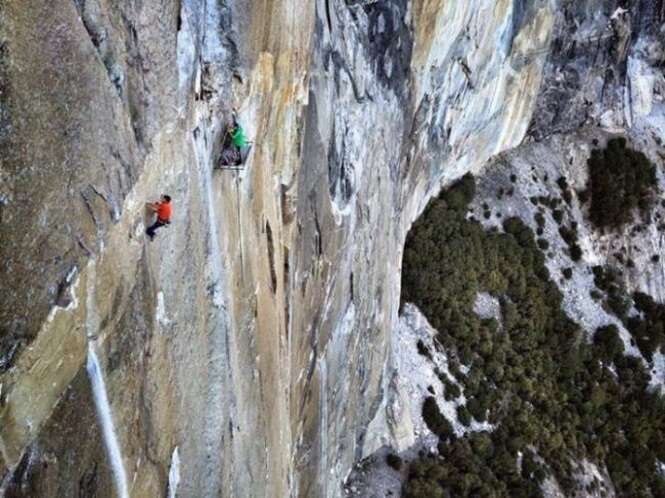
x=163, y=209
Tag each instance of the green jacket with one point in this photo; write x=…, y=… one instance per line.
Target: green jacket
x=238, y=137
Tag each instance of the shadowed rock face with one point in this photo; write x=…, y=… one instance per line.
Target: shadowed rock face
x=253, y=334
x=82, y=99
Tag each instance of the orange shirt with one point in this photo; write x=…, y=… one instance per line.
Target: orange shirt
x=164, y=211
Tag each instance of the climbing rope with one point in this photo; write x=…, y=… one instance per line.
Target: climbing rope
x=237, y=182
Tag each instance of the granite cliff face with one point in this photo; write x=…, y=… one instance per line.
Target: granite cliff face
x=248, y=349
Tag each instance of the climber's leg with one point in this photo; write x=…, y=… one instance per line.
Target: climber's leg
x=229, y=156
x=150, y=232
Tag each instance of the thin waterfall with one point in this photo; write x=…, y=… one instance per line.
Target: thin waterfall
x=174, y=474
x=106, y=421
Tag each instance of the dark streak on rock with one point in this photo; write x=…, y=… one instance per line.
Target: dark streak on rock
x=339, y=64
x=467, y=72
x=89, y=252
x=317, y=235
x=271, y=258
x=10, y=344
x=5, y=121
x=21, y=478
x=313, y=340
x=340, y=171
x=287, y=311
x=351, y=286
x=328, y=17
x=179, y=20
x=90, y=209
x=390, y=43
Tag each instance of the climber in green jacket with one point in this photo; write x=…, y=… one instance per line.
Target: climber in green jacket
x=238, y=135
x=235, y=143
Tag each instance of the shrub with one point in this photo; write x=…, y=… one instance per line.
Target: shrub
x=569, y=236
x=463, y=415
x=621, y=180
x=608, y=279
x=565, y=191
x=423, y=480
x=608, y=343
x=394, y=461
x=450, y=389
x=557, y=214
x=423, y=350
x=461, y=194
x=575, y=252
x=436, y=422
x=649, y=331
x=539, y=219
